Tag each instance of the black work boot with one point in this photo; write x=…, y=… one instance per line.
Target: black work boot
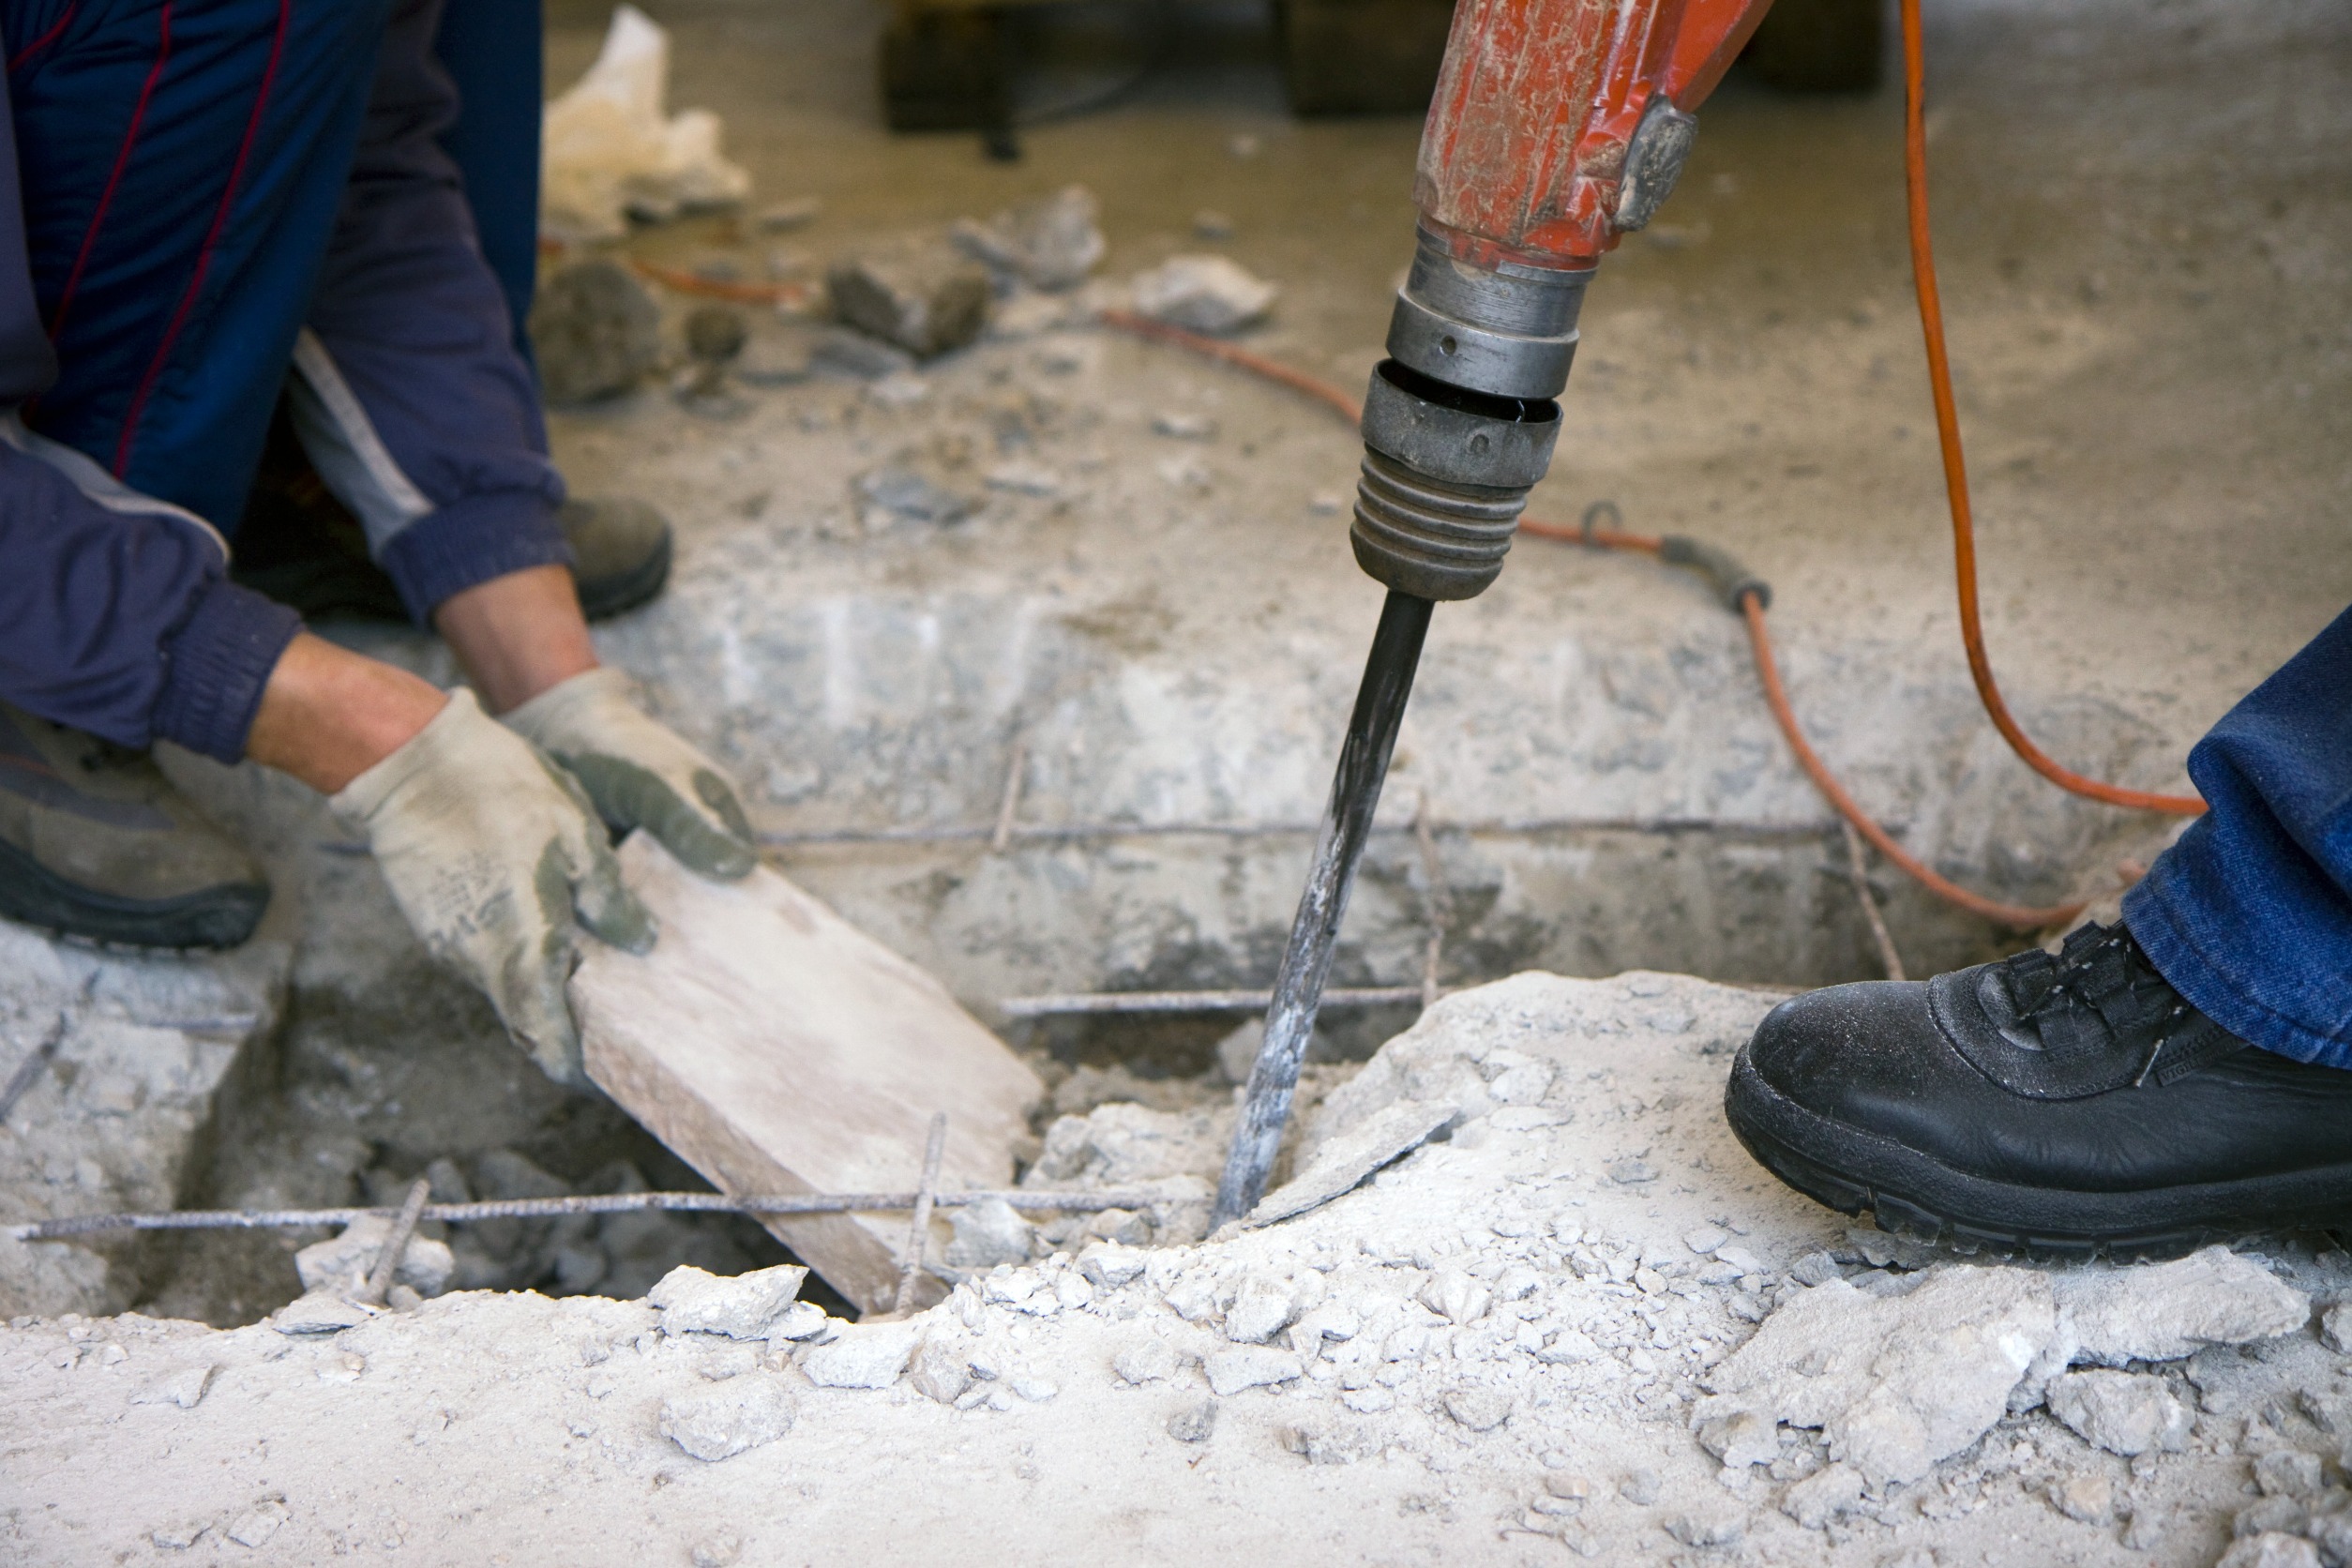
x=2061, y=1104
x=95, y=843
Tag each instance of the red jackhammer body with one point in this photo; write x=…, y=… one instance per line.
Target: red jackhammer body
x=1558, y=125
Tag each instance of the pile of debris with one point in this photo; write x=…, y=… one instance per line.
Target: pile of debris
x=1576, y=1315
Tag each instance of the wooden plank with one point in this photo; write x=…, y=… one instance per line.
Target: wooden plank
x=777, y=1049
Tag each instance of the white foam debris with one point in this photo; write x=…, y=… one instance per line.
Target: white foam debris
x=613, y=150
x=746, y=1306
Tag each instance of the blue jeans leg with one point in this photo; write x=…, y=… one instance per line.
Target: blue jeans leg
x=2249, y=915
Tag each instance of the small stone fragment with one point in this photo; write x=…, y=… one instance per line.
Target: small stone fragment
x=940, y=1371
x=1184, y=427
x=1244, y=1366
x=595, y=331
x=1109, y=1265
x=1478, y=1407
x=800, y=1321
x=1455, y=1297
x=1822, y=1495
x=2087, y=1497
x=1153, y=1360
x=1194, y=1422
x=1742, y=1437
x=924, y=296
x=1368, y=1401
x=2271, y=1550
x=1640, y=1487
x=2284, y=1513
x=782, y=216
x=2335, y=1328
x=2287, y=1473
x=320, y=1312
x=858, y=353
x=2145, y=1530
x=1815, y=1268
x=738, y=1414
x=1202, y=293
x=904, y=490
x=864, y=1355
x=1566, y=1347
x=1036, y=1390
x=1708, y=1527
x=1050, y=243
x=718, y=1551
x=716, y=334
x=256, y=1525
x=1261, y=1308
x=177, y=1538
x=2123, y=1412
x=341, y=1263
x=988, y=1234
x=185, y=1388
x=743, y=1307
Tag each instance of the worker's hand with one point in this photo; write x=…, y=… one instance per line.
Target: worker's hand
x=639, y=772
x=495, y=855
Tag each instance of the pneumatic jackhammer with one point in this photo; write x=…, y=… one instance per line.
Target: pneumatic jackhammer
x=1558, y=125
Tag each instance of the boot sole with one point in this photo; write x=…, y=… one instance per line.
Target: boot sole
x=1911, y=1194
x=605, y=596
x=215, y=917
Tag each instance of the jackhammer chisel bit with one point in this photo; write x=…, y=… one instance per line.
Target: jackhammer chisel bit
x=1556, y=126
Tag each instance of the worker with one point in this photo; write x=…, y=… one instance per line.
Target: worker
x=2181, y=1074
x=218, y=201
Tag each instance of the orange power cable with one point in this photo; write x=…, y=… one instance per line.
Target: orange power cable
x=1931, y=321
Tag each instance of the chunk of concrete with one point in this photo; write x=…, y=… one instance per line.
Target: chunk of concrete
x=1210, y=295
x=2271, y=1550
x=903, y=488
x=1262, y=1307
x=1898, y=1382
x=923, y=295
x=940, y=1370
x=986, y=1234
x=1153, y=1360
x=1480, y=1406
x=255, y=1525
x=1109, y=1265
x=1244, y=1366
x=730, y=1418
x=2288, y=1472
x=320, y=1312
x=1194, y=1422
x=2165, y=1311
x=2123, y=1412
x=862, y=1355
x=343, y=1262
x=745, y=1306
x=2089, y=1499
x=596, y=331
x=1344, y=1161
x=1049, y=243
x=1708, y=1525
x=1822, y=1495
x=777, y=1049
x=185, y=1388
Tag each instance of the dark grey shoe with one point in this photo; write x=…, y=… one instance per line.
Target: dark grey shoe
x=95, y=843
x=620, y=552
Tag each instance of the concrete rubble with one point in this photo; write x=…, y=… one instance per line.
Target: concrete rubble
x=596, y=331
x=1577, y=1319
x=920, y=294
x=1213, y=295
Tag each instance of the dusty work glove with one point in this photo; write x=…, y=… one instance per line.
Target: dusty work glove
x=493, y=855
x=639, y=772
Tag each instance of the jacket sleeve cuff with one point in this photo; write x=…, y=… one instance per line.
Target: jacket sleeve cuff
x=472, y=540
x=215, y=665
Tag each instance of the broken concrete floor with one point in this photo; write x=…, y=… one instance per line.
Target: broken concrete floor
x=1582, y=1325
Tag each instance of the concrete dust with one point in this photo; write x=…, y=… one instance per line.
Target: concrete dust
x=1582, y=1323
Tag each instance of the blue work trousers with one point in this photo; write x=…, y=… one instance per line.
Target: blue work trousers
x=2249, y=913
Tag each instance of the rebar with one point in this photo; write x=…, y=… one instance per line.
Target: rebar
x=1194, y=1001
x=388, y=1256
x=919, y=1231
x=585, y=1204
